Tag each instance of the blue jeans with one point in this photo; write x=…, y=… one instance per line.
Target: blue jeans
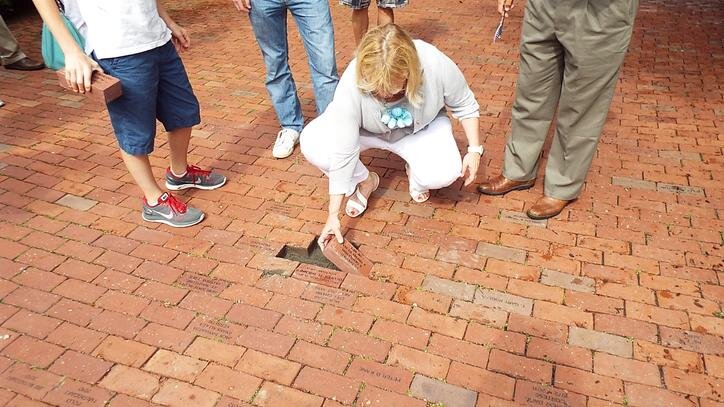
x=269, y=21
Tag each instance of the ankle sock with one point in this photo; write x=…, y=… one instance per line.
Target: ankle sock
x=178, y=175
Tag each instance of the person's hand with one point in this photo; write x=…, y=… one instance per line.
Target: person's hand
x=504, y=6
x=471, y=162
x=79, y=69
x=180, y=37
x=331, y=230
x=242, y=5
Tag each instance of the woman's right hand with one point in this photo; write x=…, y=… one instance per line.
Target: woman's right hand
x=79, y=69
x=331, y=230
x=504, y=6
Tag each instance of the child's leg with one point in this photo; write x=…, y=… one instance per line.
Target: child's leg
x=178, y=142
x=140, y=169
x=360, y=23
x=385, y=15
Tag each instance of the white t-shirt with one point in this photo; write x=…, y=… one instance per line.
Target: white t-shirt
x=72, y=12
x=118, y=28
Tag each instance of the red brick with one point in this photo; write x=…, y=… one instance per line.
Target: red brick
x=32, y=351
x=562, y=314
x=589, y=384
x=207, y=349
x=161, y=292
x=382, y=308
x=206, y=304
x=167, y=315
x=625, y=327
x=639, y=395
x=39, y=279
x=517, y=271
x=694, y=384
x=437, y=323
x=79, y=291
x=165, y=337
x=660, y=355
x=282, y=285
x=495, y=338
x=326, y=384
x=31, y=323
x=134, y=382
x=265, y=341
x=419, y=361
x=80, y=366
x=23, y=379
x=628, y=370
x=480, y=380
x=75, y=337
x=115, y=280
x=319, y=356
x=272, y=395
x=656, y=315
x=117, y=324
x=31, y=299
x=268, y=367
x=357, y=321
x=561, y=354
x=531, y=394
x=479, y=313
x=368, y=287
x=228, y=382
x=361, y=345
x=309, y=331
x=124, y=351
x=79, y=270
x=123, y=303
x=402, y=334
x=423, y=299
x=521, y=367
x=73, y=393
x=386, y=377
x=372, y=396
x=73, y=311
x=294, y=306
x=176, y=393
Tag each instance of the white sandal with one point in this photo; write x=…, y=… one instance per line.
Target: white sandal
x=418, y=196
x=361, y=204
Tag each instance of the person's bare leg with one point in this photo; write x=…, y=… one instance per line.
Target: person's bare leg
x=178, y=143
x=360, y=24
x=140, y=169
x=385, y=16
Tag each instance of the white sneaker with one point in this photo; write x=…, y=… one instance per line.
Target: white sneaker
x=284, y=145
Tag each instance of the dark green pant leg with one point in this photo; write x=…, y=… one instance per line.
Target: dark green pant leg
x=538, y=88
x=596, y=36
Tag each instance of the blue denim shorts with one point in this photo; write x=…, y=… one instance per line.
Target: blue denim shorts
x=155, y=86
x=360, y=4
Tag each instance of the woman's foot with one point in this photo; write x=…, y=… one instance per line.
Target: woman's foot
x=420, y=196
x=357, y=202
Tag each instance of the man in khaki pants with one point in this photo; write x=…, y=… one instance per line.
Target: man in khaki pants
x=571, y=52
x=11, y=56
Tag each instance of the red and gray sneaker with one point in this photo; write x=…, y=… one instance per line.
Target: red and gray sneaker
x=195, y=177
x=172, y=212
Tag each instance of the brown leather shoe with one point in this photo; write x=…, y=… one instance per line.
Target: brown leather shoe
x=25, y=64
x=501, y=185
x=546, y=207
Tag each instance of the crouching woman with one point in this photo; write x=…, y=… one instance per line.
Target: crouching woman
x=394, y=96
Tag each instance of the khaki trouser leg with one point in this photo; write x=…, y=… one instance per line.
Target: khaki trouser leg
x=9, y=49
x=538, y=89
x=596, y=35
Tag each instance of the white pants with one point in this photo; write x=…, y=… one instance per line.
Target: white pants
x=431, y=154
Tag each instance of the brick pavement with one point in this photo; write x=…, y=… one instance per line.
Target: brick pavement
x=616, y=302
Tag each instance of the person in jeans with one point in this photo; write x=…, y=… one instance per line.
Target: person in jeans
x=570, y=56
x=11, y=56
x=269, y=22
x=136, y=41
x=361, y=18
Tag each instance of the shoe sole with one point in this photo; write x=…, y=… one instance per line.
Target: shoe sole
x=187, y=186
x=518, y=188
x=169, y=223
x=534, y=217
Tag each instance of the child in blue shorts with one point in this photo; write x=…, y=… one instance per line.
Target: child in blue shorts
x=136, y=41
x=360, y=14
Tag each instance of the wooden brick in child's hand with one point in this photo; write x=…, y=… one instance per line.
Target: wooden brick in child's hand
x=347, y=258
x=104, y=88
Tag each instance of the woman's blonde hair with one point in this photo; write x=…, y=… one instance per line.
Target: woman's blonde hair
x=387, y=53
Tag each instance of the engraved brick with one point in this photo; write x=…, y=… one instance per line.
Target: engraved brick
x=503, y=301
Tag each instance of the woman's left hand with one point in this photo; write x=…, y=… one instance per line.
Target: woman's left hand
x=471, y=163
